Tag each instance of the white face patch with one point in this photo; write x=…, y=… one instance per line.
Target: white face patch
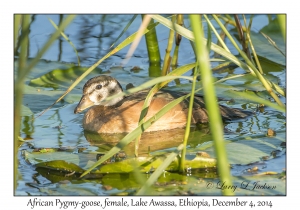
x=98, y=96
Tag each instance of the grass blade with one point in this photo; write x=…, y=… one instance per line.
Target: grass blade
x=251, y=44
x=179, y=71
x=54, y=36
x=132, y=135
x=18, y=91
x=219, y=50
x=17, y=23
x=282, y=24
x=235, y=94
x=167, y=59
x=209, y=39
x=137, y=38
x=188, y=123
x=272, y=43
x=123, y=44
x=210, y=99
x=254, y=71
x=158, y=172
x=124, y=30
x=216, y=33
x=67, y=39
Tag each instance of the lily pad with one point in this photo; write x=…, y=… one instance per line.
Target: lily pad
x=41, y=157
x=249, y=150
x=64, y=161
x=61, y=165
x=42, y=67
x=270, y=66
x=61, y=77
x=25, y=111
x=264, y=48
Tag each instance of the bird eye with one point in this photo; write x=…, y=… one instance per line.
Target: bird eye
x=98, y=87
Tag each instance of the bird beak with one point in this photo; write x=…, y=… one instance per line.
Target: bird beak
x=83, y=104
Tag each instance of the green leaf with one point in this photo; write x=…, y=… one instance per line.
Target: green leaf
x=39, y=157
x=270, y=66
x=60, y=165
x=246, y=150
x=264, y=49
x=61, y=77
x=25, y=111
x=69, y=162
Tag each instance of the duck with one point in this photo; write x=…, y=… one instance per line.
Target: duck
x=121, y=114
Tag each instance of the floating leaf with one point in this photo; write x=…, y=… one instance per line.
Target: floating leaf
x=250, y=150
x=69, y=162
x=25, y=111
x=40, y=157
x=61, y=77
x=60, y=165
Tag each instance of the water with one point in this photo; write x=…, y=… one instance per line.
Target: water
x=60, y=129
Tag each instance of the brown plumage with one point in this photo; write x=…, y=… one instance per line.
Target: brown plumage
x=121, y=115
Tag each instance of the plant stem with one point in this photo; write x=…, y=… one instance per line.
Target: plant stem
x=211, y=103
x=282, y=24
x=252, y=67
x=168, y=50
x=242, y=36
x=18, y=91
x=17, y=23
x=188, y=122
x=251, y=45
x=177, y=44
x=152, y=44
x=228, y=20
